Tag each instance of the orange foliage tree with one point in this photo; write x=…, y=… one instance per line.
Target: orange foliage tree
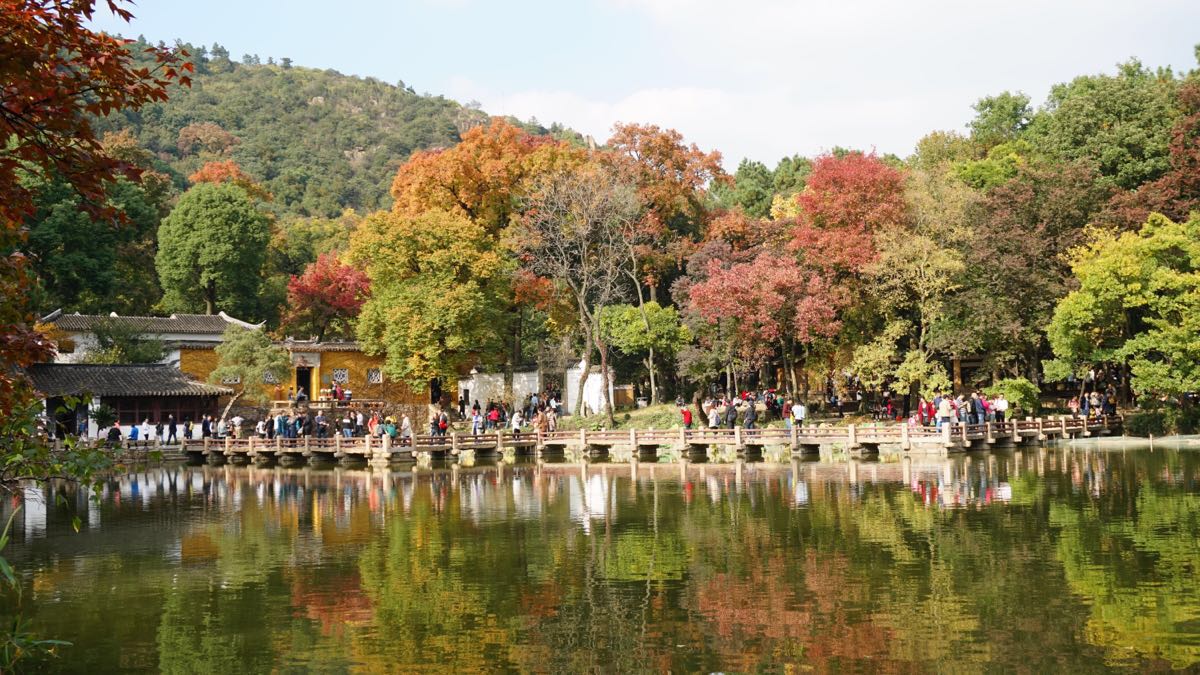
x=228, y=171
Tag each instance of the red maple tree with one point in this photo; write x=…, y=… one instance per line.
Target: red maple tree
x=846, y=200
x=56, y=76
x=325, y=299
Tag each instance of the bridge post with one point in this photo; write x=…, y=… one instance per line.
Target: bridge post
x=307, y=452
x=988, y=435
x=250, y=445
x=228, y=446
x=583, y=438
x=851, y=436
x=206, y=440
x=905, y=441
x=682, y=439
x=368, y=440
x=1041, y=428
x=454, y=450
x=385, y=452
x=1063, y=423
x=737, y=437
x=337, y=445
x=795, y=435
x=946, y=440
x=633, y=446
x=499, y=442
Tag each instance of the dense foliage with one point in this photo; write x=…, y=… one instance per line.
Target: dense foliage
x=490, y=243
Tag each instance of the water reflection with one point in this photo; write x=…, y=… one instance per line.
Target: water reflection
x=1062, y=559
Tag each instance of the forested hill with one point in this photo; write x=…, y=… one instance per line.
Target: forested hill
x=318, y=141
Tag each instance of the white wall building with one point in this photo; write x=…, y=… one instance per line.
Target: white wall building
x=77, y=331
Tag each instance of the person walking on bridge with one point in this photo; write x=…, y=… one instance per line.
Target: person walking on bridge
x=944, y=411
x=751, y=415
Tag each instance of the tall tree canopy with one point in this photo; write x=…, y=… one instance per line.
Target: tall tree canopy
x=211, y=251
x=439, y=288
x=325, y=299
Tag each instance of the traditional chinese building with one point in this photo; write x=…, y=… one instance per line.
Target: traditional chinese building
x=190, y=342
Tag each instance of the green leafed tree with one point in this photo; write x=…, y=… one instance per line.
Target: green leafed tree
x=118, y=342
x=649, y=331
x=1000, y=118
x=1138, y=303
x=248, y=359
x=751, y=189
x=211, y=251
x=439, y=290
x=1119, y=123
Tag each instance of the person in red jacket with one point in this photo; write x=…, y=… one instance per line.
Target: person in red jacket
x=687, y=417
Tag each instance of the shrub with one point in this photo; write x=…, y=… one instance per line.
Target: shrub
x=1163, y=420
x=1022, y=394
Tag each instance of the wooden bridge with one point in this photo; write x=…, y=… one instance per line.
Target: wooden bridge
x=711, y=443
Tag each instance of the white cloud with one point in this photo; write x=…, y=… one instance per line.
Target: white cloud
x=764, y=124
x=768, y=78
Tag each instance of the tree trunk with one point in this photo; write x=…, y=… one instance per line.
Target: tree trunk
x=583, y=377
x=653, y=379
x=210, y=297
x=604, y=382
x=230, y=404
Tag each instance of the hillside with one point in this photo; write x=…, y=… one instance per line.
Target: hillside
x=318, y=140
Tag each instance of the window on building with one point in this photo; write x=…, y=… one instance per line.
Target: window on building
x=236, y=379
x=374, y=376
x=341, y=375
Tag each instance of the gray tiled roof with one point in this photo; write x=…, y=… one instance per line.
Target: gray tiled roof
x=61, y=379
x=176, y=323
x=312, y=346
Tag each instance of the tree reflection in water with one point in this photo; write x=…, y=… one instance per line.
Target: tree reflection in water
x=1025, y=560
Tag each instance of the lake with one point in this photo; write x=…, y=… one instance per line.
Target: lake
x=1030, y=560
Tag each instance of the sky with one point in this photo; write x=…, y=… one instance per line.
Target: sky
x=760, y=79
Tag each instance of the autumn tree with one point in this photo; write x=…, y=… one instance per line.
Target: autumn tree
x=775, y=304
x=846, y=200
x=325, y=299
x=205, y=137
x=57, y=76
x=485, y=179
x=572, y=233
x=671, y=178
x=228, y=171
x=211, y=250
x=439, y=290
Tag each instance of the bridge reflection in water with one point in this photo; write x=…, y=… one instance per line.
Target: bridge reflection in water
x=1023, y=559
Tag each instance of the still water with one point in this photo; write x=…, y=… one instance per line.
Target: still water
x=1033, y=560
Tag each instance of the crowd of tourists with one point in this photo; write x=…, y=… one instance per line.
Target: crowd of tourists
x=539, y=411
x=747, y=409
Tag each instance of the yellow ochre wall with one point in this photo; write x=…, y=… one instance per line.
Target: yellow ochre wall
x=199, y=363
x=357, y=364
